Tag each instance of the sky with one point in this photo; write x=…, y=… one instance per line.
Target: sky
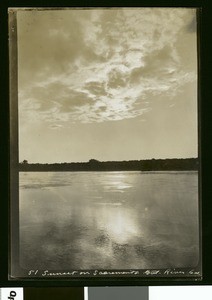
x=107, y=84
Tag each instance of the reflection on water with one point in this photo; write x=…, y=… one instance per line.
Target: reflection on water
x=108, y=220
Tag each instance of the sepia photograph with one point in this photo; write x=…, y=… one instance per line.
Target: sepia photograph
x=105, y=164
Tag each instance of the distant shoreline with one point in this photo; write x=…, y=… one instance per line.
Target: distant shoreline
x=187, y=164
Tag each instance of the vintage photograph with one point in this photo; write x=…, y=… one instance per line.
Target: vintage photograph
x=107, y=146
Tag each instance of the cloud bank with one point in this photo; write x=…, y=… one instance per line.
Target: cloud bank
x=100, y=65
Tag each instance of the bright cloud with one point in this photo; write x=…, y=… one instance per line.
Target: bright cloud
x=100, y=65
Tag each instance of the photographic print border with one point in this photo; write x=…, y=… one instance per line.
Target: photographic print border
x=16, y=273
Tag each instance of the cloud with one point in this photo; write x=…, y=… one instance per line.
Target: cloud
x=116, y=79
x=95, y=88
x=161, y=63
x=44, y=42
x=56, y=126
x=103, y=70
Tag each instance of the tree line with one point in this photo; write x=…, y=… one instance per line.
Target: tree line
x=173, y=164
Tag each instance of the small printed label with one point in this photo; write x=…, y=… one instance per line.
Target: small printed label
x=11, y=294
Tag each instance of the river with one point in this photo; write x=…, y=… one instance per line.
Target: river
x=108, y=220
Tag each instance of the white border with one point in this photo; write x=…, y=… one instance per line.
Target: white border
x=180, y=293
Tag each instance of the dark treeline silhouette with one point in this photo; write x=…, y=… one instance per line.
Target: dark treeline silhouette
x=174, y=164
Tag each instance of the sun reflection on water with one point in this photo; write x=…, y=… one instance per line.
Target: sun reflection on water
x=118, y=222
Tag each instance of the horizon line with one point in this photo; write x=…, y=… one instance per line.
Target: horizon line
x=104, y=161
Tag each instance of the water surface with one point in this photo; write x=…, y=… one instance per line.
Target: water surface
x=108, y=220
